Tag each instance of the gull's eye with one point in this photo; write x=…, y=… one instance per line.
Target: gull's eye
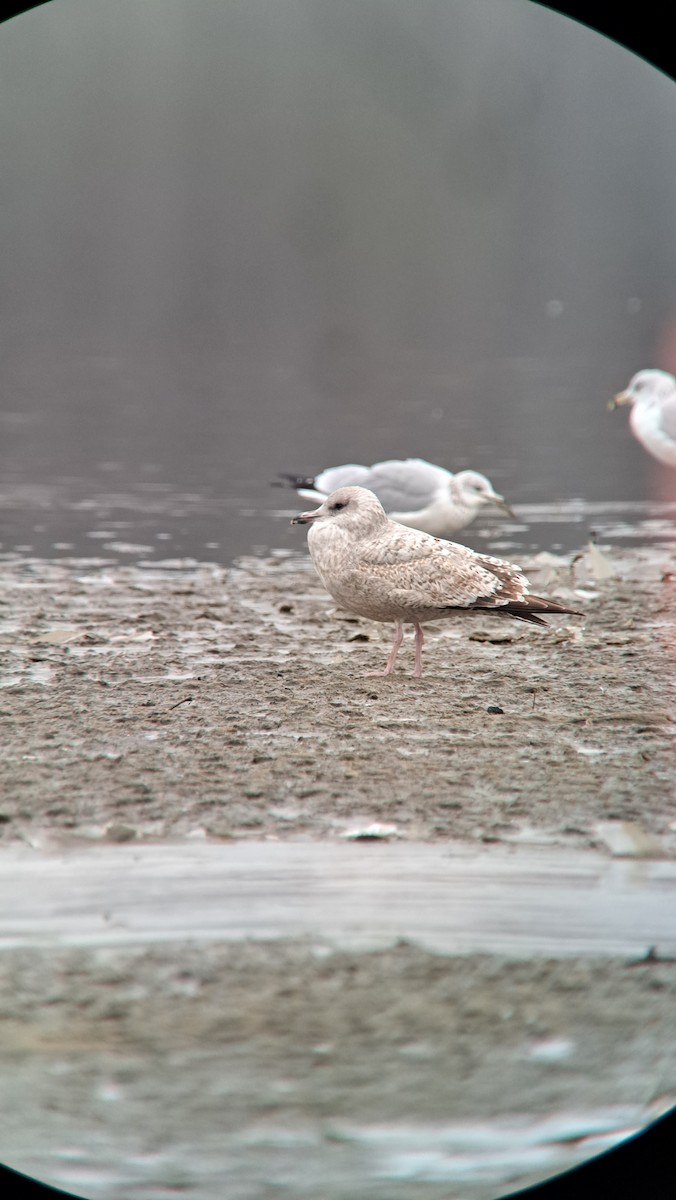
x=338, y=504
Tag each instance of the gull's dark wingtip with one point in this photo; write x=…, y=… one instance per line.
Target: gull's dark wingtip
x=293, y=481
x=534, y=608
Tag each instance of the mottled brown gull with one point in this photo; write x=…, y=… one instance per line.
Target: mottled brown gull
x=378, y=569
x=652, y=395
x=412, y=491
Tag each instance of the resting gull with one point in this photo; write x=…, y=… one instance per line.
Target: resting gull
x=377, y=568
x=652, y=395
x=411, y=491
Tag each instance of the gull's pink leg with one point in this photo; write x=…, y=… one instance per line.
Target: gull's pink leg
x=389, y=666
x=417, y=671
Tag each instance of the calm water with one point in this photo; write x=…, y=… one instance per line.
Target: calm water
x=200, y=485
x=253, y=237
x=155, y=521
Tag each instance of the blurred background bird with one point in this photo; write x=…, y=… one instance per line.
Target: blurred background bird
x=652, y=396
x=412, y=491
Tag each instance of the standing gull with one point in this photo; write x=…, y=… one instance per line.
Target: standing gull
x=652, y=395
x=376, y=568
x=411, y=491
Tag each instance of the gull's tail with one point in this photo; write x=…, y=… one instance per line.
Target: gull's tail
x=530, y=607
x=512, y=596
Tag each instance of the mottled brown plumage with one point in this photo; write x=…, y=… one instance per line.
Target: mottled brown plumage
x=379, y=569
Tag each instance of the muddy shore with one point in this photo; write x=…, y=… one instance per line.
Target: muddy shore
x=143, y=702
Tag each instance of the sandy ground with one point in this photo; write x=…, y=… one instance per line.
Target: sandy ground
x=148, y=702
x=192, y=701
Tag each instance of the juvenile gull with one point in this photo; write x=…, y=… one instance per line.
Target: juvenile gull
x=377, y=568
x=411, y=491
x=652, y=395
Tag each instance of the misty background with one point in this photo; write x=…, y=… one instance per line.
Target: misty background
x=248, y=236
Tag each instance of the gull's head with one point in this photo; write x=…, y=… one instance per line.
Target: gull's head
x=353, y=509
x=652, y=386
x=474, y=490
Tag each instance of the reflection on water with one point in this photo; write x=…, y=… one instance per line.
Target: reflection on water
x=155, y=522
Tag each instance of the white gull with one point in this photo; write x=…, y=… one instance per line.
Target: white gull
x=412, y=491
x=378, y=569
x=652, y=395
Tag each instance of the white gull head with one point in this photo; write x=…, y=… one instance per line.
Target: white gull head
x=354, y=510
x=652, y=396
x=474, y=491
x=648, y=387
